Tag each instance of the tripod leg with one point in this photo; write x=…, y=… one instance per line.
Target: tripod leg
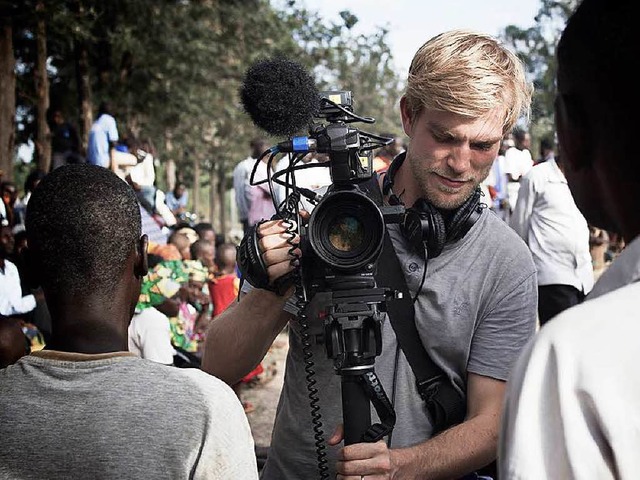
x=356, y=409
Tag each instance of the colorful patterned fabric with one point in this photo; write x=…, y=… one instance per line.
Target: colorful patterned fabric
x=163, y=282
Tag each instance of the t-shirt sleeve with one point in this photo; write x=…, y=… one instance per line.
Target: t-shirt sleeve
x=228, y=448
x=505, y=329
x=112, y=130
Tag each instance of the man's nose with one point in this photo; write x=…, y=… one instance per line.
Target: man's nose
x=459, y=159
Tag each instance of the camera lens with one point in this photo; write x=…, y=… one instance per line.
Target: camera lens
x=346, y=230
x=346, y=233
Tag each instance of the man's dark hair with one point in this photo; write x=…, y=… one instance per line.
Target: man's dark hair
x=203, y=227
x=105, y=107
x=82, y=224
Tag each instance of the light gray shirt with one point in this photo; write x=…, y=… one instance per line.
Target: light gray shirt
x=475, y=312
x=117, y=416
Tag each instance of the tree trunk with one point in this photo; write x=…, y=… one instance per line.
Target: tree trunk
x=222, y=201
x=213, y=201
x=85, y=101
x=83, y=83
x=7, y=101
x=196, y=185
x=43, y=137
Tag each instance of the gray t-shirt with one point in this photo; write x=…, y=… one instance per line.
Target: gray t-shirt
x=475, y=312
x=117, y=416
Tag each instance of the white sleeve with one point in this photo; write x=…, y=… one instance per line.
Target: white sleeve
x=228, y=450
x=11, y=300
x=16, y=306
x=112, y=129
x=521, y=216
x=511, y=162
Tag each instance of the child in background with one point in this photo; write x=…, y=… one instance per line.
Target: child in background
x=224, y=288
x=225, y=284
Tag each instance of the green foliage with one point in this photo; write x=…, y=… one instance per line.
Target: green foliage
x=536, y=47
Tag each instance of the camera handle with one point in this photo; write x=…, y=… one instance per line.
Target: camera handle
x=353, y=339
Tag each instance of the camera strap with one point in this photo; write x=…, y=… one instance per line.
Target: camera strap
x=443, y=402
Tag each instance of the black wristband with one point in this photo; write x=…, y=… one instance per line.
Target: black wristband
x=252, y=266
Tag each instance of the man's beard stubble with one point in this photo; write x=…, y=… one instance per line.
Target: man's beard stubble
x=422, y=177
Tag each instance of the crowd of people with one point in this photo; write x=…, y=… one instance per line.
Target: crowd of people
x=502, y=279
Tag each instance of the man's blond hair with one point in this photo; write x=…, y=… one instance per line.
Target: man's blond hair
x=468, y=73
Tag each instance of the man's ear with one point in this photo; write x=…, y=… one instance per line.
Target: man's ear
x=406, y=115
x=574, y=132
x=142, y=259
x=32, y=269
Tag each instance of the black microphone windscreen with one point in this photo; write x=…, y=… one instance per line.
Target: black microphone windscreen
x=280, y=96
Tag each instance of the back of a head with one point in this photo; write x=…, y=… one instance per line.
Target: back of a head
x=226, y=256
x=103, y=108
x=258, y=146
x=468, y=73
x=83, y=223
x=595, y=52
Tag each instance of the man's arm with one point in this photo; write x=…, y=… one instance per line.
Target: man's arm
x=451, y=454
x=239, y=338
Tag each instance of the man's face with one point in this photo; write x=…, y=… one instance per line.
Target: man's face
x=207, y=256
x=179, y=190
x=6, y=242
x=449, y=154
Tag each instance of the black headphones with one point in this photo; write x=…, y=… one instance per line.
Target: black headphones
x=423, y=225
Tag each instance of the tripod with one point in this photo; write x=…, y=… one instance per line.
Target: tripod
x=353, y=339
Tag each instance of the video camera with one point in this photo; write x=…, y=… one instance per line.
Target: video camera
x=344, y=235
x=341, y=243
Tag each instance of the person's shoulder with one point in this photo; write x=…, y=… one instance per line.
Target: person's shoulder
x=503, y=240
x=596, y=328
x=9, y=266
x=210, y=386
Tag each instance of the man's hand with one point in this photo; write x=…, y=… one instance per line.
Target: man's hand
x=279, y=248
x=371, y=460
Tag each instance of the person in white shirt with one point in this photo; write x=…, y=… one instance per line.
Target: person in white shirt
x=12, y=302
x=572, y=410
x=517, y=163
x=312, y=178
x=548, y=220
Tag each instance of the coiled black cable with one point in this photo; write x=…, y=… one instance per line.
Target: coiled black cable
x=289, y=211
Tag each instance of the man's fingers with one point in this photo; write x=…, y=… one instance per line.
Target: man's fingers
x=273, y=257
x=272, y=227
x=362, y=451
x=277, y=240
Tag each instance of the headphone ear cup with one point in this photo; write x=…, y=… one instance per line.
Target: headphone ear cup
x=463, y=219
x=424, y=227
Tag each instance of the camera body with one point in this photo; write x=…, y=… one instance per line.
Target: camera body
x=344, y=235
